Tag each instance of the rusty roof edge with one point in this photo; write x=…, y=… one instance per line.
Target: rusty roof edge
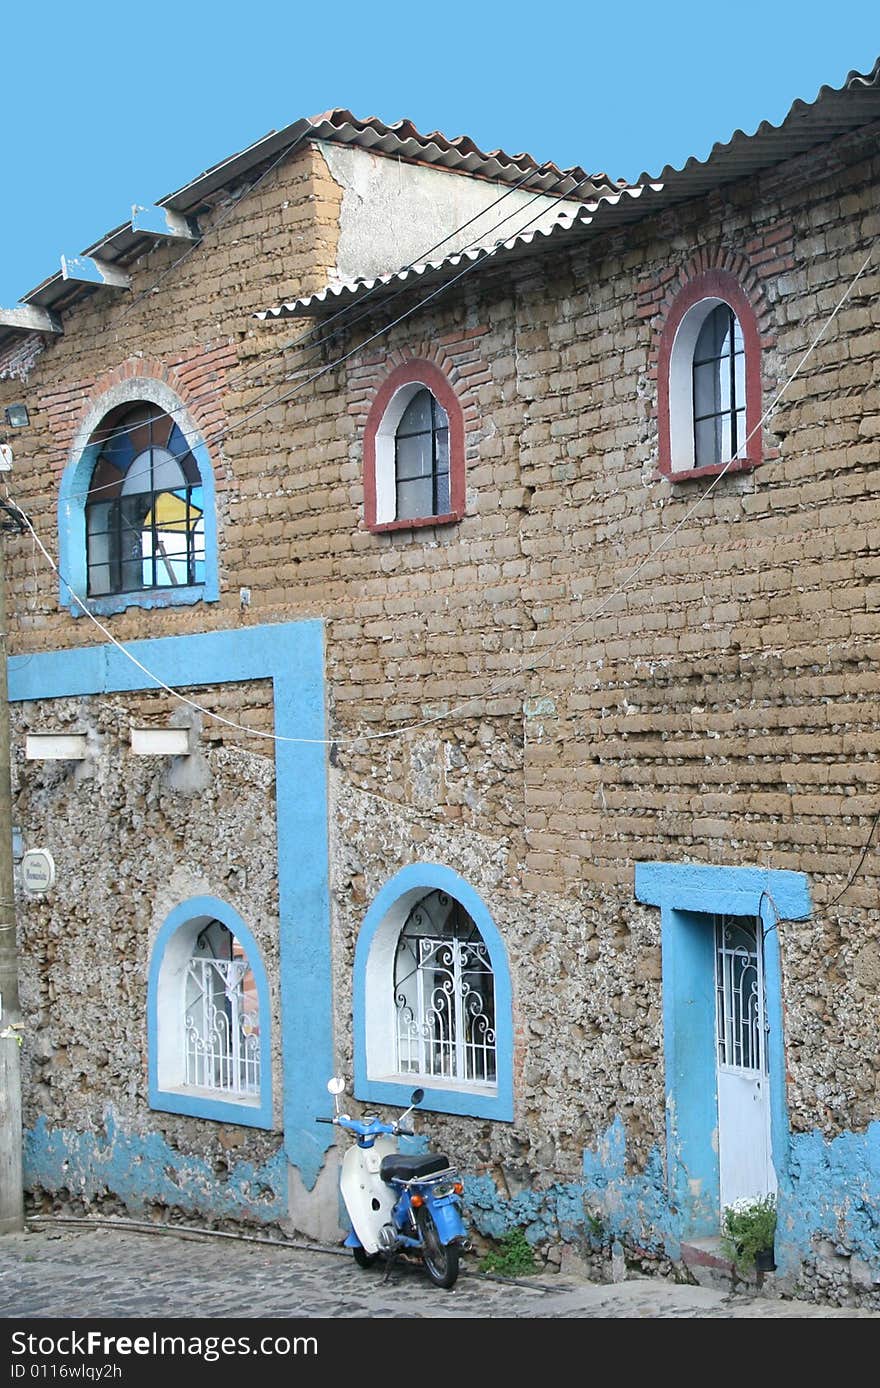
x=769, y=145
x=826, y=95
x=460, y=155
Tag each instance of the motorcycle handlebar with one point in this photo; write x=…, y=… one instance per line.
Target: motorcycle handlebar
x=357, y=1125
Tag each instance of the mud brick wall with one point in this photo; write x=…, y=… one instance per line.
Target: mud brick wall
x=560, y=716
x=718, y=707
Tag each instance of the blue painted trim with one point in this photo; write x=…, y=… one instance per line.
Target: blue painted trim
x=292, y=656
x=732, y=891
x=73, y=578
x=428, y=877
x=683, y=891
x=178, y=1101
x=691, y=1085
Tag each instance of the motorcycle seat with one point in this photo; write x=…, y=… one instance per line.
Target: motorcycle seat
x=401, y=1168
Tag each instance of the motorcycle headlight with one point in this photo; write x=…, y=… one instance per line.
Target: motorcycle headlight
x=448, y=1188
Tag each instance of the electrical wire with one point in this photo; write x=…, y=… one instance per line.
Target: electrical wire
x=494, y=687
x=301, y=342
x=129, y=308
x=858, y=867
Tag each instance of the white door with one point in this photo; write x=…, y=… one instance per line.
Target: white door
x=744, y=1151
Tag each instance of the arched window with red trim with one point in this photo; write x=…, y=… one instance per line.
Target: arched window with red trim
x=709, y=381
x=414, y=451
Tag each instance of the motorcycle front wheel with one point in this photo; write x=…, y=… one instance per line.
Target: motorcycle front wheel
x=440, y=1259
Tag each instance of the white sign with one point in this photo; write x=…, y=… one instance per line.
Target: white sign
x=38, y=870
x=5, y=457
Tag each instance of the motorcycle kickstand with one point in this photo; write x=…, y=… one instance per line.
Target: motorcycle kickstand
x=390, y=1261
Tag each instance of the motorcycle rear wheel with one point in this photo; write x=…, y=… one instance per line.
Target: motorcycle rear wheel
x=440, y=1259
x=362, y=1257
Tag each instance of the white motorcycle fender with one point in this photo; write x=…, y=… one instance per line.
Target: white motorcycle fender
x=368, y=1200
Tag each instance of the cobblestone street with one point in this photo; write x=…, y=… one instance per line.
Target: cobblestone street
x=84, y=1272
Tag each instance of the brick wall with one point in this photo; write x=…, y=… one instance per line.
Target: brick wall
x=558, y=720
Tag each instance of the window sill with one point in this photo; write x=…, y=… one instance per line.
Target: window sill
x=441, y=1096
x=715, y=470
x=206, y=1103
x=417, y=523
x=109, y=603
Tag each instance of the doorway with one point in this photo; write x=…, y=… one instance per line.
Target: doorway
x=693, y=898
x=742, y=1061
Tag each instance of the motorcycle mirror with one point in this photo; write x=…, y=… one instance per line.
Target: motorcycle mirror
x=336, y=1085
x=417, y=1096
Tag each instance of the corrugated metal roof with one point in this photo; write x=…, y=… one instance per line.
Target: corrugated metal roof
x=834, y=112
x=434, y=272
x=607, y=203
x=401, y=140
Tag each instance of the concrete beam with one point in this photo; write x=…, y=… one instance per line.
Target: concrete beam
x=86, y=269
x=161, y=222
x=30, y=319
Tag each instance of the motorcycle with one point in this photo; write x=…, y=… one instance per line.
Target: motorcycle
x=398, y=1204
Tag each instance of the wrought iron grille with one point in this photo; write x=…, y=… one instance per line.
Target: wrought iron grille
x=221, y=1032
x=739, y=988
x=444, y=995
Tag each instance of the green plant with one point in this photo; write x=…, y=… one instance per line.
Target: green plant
x=595, y=1226
x=748, y=1227
x=513, y=1257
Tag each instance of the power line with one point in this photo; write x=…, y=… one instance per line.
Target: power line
x=858, y=867
x=190, y=250
x=300, y=343
x=493, y=687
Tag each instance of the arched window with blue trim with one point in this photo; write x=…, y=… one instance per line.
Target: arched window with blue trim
x=136, y=512
x=145, y=507
x=432, y=998
x=209, y=1011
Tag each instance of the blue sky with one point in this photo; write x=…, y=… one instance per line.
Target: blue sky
x=104, y=107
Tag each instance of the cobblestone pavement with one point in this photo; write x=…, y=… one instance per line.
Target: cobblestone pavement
x=78, y=1271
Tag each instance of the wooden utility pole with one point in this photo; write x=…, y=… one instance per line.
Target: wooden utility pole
x=11, y=1181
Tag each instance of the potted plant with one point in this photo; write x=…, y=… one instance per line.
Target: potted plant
x=748, y=1231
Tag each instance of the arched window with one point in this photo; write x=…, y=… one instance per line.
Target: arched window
x=421, y=459
x=414, y=473
x=709, y=380
x=208, y=1017
x=719, y=369
x=221, y=1015
x=432, y=998
x=145, y=506
x=444, y=993
x=136, y=516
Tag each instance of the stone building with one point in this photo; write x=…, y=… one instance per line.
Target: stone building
x=444, y=645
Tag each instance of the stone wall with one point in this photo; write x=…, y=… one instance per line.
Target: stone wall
x=133, y=837
x=595, y=667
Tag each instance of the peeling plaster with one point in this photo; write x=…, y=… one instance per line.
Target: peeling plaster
x=634, y=1207
x=143, y=1169
x=832, y=1192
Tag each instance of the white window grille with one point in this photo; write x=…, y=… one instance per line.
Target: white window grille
x=739, y=983
x=444, y=994
x=221, y=1024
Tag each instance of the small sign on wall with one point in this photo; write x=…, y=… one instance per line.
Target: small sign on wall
x=38, y=871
